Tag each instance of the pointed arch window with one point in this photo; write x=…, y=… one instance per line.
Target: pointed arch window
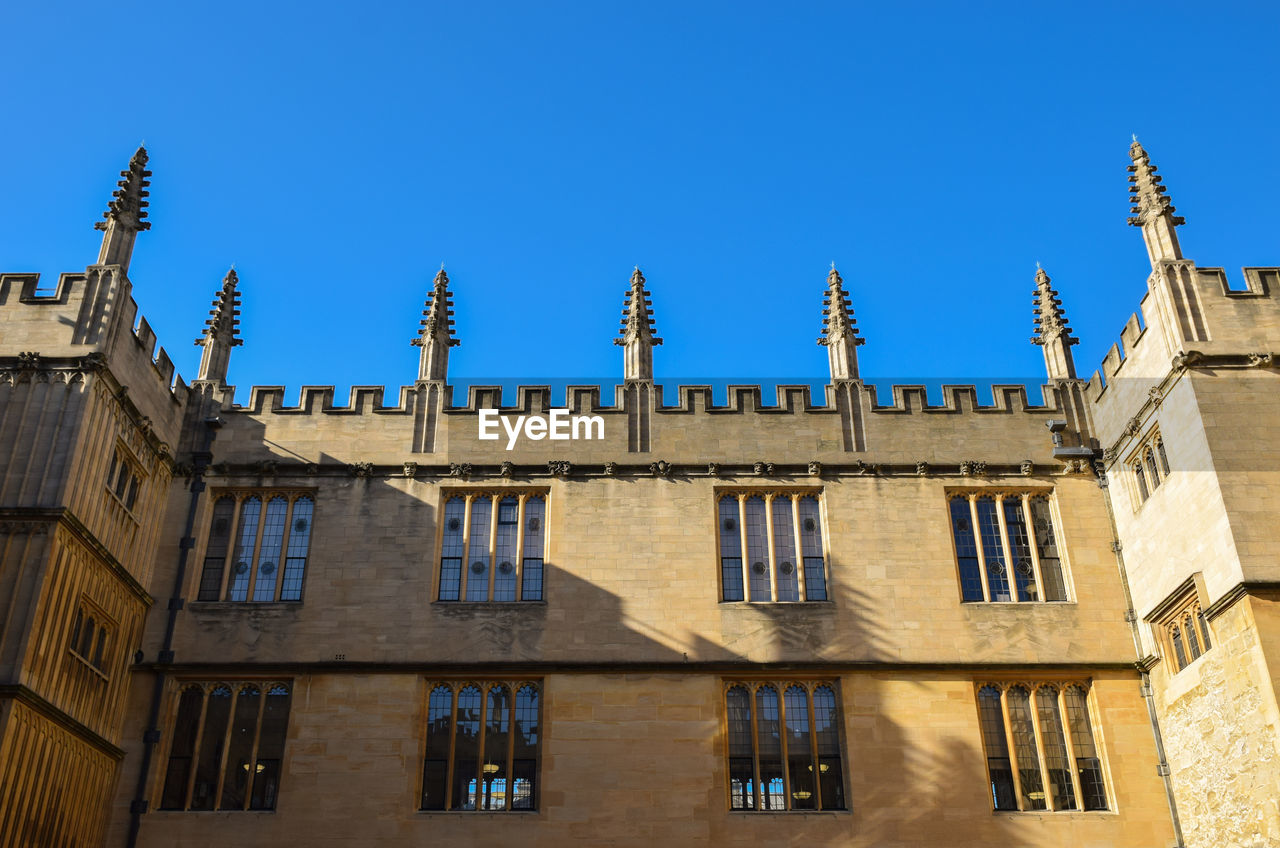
x=1040, y=746
x=1006, y=547
x=226, y=746
x=482, y=746
x=1149, y=464
x=492, y=546
x=781, y=533
x=124, y=477
x=257, y=547
x=92, y=637
x=784, y=746
x=1181, y=628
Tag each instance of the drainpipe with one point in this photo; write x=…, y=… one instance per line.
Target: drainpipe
x=1131, y=616
x=151, y=736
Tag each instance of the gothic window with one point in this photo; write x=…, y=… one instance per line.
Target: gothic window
x=257, y=547
x=123, y=478
x=1150, y=466
x=492, y=545
x=1041, y=754
x=1182, y=629
x=226, y=746
x=91, y=637
x=781, y=533
x=482, y=744
x=1006, y=547
x=784, y=746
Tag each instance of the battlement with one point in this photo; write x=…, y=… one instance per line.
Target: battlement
x=90, y=312
x=740, y=399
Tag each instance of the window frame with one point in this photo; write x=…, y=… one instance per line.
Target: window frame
x=469, y=496
x=1033, y=688
x=239, y=496
x=768, y=496
x=1169, y=625
x=752, y=685
x=1037, y=578
x=1147, y=467
x=456, y=686
x=123, y=463
x=102, y=635
x=207, y=686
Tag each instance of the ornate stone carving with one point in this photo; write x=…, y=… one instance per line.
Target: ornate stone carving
x=93, y=361
x=220, y=468
x=1109, y=455
x=1134, y=425
x=713, y=468
x=815, y=468
x=508, y=468
x=973, y=468
x=1260, y=360
x=560, y=467
x=28, y=360
x=181, y=469
x=922, y=468
x=311, y=469
x=1155, y=395
x=863, y=467
x=410, y=469
x=267, y=466
x=360, y=469
x=611, y=469
x=1077, y=466
x=763, y=469
x=1027, y=468
x=459, y=469
x=1188, y=358
x=661, y=468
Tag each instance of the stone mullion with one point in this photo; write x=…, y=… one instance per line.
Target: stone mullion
x=1031, y=546
x=226, y=747
x=195, y=748
x=233, y=540
x=782, y=744
x=481, y=789
x=257, y=549
x=814, y=764
x=1011, y=747
x=768, y=538
x=799, y=555
x=493, y=543
x=746, y=559
x=1064, y=718
x=253, y=751
x=512, y=690
x=1037, y=733
x=757, y=790
x=466, y=548
x=1010, y=572
x=977, y=545
x=519, y=564
x=453, y=734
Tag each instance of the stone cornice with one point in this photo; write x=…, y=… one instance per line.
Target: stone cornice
x=32, y=699
x=31, y=519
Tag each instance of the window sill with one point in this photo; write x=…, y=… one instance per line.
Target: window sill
x=88, y=664
x=1031, y=604
x=1053, y=814
x=778, y=604
x=479, y=605
x=227, y=606
x=832, y=813
x=484, y=814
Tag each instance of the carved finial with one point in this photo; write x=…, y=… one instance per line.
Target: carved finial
x=1151, y=209
x=435, y=336
x=636, y=336
x=125, y=213
x=221, y=331
x=1052, y=332
x=839, y=333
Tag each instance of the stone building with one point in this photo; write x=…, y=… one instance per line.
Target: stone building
x=849, y=620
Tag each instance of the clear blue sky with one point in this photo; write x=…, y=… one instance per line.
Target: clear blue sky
x=337, y=153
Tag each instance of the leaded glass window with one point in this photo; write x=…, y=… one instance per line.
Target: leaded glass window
x=482, y=746
x=492, y=546
x=781, y=534
x=226, y=746
x=1006, y=547
x=1041, y=754
x=257, y=547
x=784, y=746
